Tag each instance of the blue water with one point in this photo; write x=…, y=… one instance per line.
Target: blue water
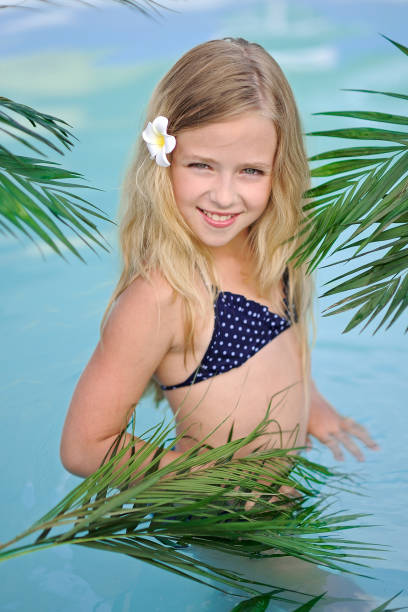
x=96, y=68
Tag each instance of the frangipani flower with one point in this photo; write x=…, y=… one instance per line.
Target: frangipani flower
x=158, y=141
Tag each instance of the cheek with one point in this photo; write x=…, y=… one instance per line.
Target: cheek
x=260, y=198
x=186, y=190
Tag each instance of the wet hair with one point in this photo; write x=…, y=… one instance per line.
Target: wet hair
x=215, y=81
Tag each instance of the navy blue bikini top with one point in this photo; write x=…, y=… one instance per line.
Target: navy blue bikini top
x=241, y=327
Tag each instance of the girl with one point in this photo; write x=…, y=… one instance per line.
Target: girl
x=208, y=305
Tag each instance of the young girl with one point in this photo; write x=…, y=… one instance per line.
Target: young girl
x=208, y=305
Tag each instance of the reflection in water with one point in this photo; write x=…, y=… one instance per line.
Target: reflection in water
x=291, y=573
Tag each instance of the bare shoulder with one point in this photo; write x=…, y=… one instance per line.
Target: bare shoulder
x=145, y=306
x=135, y=340
x=156, y=290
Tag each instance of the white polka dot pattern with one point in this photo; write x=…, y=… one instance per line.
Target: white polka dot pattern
x=242, y=327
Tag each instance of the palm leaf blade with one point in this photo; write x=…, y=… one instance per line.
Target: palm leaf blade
x=384, y=93
x=372, y=203
x=193, y=507
x=369, y=116
x=364, y=133
x=355, y=152
x=29, y=186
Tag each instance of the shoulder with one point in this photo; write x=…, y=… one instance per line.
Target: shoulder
x=146, y=305
x=155, y=292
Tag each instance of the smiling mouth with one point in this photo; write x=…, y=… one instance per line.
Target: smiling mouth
x=216, y=216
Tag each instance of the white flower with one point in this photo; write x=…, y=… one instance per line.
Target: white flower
x=158, y=141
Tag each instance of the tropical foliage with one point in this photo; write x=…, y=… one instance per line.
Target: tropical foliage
x=156, y=513
x=149, y=8
x=260, y=603
x=33, y=192
x=36, y=196
x=364, y=206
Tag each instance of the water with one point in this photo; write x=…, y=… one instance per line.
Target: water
x=97, y=69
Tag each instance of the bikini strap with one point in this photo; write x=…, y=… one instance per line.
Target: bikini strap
x=285, y=279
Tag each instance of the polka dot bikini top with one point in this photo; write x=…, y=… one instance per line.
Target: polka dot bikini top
x=241, y=328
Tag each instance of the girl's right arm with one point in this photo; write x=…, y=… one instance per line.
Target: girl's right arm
x=136, y=337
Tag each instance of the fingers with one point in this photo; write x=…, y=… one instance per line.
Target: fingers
x=285, y=491
x=359, y=432
x=289, y=491
x=341, y=437
x=351, y=446
x=333, y=444
x=250, y=504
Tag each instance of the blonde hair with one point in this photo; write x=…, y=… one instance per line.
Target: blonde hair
x=214, y=81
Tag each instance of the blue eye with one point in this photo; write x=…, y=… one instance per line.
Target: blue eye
x=199, y=165
x=252, y=171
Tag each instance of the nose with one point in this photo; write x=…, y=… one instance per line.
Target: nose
x=223, y=192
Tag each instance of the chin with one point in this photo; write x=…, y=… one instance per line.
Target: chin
x=215, y=243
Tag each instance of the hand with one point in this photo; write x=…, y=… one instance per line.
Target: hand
x=334, y=430
x=285, y=491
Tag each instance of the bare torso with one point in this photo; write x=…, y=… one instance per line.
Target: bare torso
x=144, y=335
x=271, y=377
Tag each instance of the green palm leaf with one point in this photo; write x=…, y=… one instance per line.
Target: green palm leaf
x=149, y=8
x=31, y=198
x=366, y=197
x=200, y=498
x=398, y=45
x=383, y=607
x=30, y=201
x=383, y=93
x=260, y=603
x=53, y=125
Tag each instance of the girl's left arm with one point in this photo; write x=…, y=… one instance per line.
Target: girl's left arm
x=334, y=430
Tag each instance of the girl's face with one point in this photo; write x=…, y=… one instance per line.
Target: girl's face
x=222, y=176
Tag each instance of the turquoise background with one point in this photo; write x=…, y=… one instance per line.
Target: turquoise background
x=95, y=68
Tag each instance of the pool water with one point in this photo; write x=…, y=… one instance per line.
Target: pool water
x=97, y=70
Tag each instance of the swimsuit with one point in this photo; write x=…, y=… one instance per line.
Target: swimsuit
x=241, y=328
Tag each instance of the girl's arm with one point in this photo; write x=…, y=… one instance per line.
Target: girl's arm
x=334, y=430
x=137, y=336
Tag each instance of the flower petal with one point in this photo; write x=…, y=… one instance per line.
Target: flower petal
x=154, y=149
x=158, y=141
x=149, y=134
x=161, y=159
x=169, y=143
x=160, y=124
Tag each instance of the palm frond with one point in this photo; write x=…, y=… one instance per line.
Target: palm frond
x=260, y=603
x=151, y=513
x=36, y=195
x=383, y=607
x=55, y=126
x=366, y=197
x=148, y=8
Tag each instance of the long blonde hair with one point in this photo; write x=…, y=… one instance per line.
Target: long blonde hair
x=214, y=81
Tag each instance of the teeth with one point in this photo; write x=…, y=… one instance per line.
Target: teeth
x=216, y=217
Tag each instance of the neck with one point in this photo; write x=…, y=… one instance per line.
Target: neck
x=234, y=264
x=237, y=250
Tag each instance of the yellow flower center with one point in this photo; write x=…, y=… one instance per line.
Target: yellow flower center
x=160, y=140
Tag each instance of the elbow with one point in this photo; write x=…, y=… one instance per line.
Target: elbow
x=80, y=456
x=77, y=458
x=72, y=460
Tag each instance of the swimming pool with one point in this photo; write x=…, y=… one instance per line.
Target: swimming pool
x=97, y=75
